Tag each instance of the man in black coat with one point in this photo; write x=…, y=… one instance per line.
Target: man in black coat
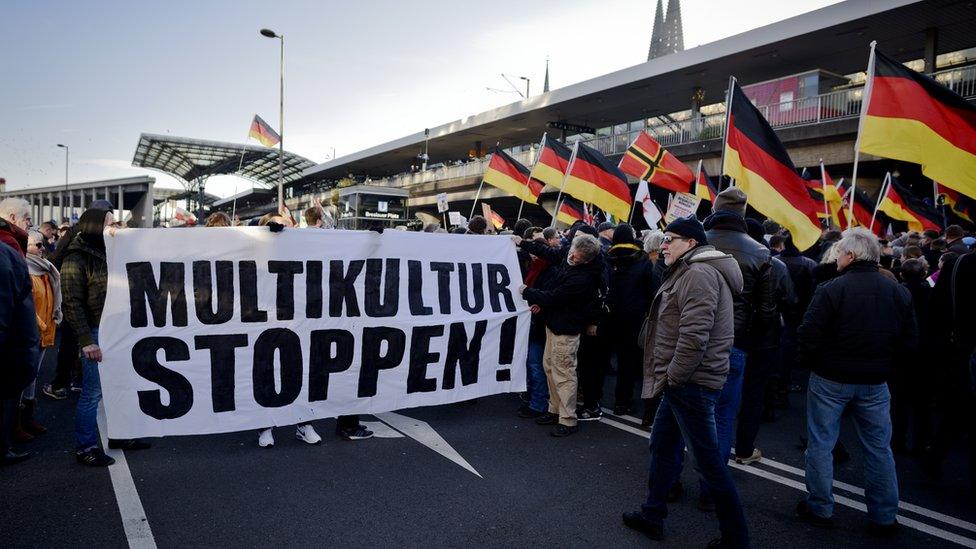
x=566, y=302
x=858, y=326
x=754, y=309
x=801, y=270
x=19, y=341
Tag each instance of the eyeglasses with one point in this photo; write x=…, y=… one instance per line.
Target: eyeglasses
x=669, y=238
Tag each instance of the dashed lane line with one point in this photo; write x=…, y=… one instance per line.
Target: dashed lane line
x=134, y=521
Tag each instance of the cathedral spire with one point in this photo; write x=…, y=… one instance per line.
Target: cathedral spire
x=545, y=83
x=657, y=33
x=667, y=35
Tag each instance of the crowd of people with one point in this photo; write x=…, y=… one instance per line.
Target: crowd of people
x=708, y=327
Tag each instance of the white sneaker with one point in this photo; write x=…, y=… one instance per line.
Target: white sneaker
x=306, y=433
x=265, y=438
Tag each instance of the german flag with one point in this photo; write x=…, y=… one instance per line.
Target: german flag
x=553, y=162
x=899, y=204
x=863, y=208
x=909, y=116
x=960, y=205
x=497, y=220
x=570, y=210
x=646, y=159
x=262, y=131
x=509, y=175
x=758, y=162
x=704, y=188
x=595, y=180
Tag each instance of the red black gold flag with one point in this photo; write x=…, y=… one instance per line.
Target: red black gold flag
x=960, y=205
x=570, y=210
x=497, y=220
x=262, y=131
x=553, y=162
x=595, y=180
x=704, y=188
x=863, y=208
x=509, y=175
x=757, y=161
x=899, y=204
x=911, y=117
x=646, y=159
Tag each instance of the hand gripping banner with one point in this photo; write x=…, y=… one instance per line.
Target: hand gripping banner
x=226, y=329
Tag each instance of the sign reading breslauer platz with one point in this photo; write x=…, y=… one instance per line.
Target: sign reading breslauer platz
x=241, y=328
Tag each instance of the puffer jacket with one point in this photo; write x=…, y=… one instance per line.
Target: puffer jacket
x=755, y=307
x=84, y=280
x=690, y=326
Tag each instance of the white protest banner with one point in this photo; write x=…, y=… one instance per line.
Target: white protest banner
x=225, y=329
x=456, y=218
x=682, y=205
x=442, y=205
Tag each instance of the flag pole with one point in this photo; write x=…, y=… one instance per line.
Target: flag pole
x=725, y=135
x=542, y=144
x=823, y=190
x=885, y=185
x=569, y=168
x=482, y=184
x=630, y=218
x=519, y=214
x=233, y=208
x=865, y=103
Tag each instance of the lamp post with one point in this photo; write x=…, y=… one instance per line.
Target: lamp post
x=281, y=118
x=66, y=192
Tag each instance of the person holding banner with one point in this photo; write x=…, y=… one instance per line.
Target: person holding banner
x=565, y=299
x=84, y=279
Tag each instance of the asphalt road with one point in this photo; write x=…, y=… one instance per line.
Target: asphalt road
x=483, y=478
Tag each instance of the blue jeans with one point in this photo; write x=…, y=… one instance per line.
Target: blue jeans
x=686, y=415
x=536, y=384
x=869, y=406
x=86, y=414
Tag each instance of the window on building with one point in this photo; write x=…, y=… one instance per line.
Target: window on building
x=786, y=101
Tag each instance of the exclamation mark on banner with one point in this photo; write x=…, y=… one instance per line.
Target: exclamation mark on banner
x=506, y=349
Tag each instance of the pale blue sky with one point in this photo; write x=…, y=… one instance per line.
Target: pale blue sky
x=95, y=74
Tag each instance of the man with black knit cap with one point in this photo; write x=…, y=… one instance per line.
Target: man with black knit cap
x=687, y=340
x=754, y=308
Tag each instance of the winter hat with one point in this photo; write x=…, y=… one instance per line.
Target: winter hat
x=605, y=226
x=688, y=227
x=586, y=229
x=101, y=204
x=624, y=234
x=731, y=200
x=755, y=230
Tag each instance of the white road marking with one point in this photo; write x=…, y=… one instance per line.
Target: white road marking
x=423, y=433
x=381, y=430
x=841, y=500
x=134, y=521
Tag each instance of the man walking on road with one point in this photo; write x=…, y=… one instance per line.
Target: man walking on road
x=688, y=337
x=857, y=327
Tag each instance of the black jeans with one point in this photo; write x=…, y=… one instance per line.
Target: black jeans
x=630, y=361
x=594, y=359
x=686, y=415
x=68, y=362
x=8, y=420
x=760, y=366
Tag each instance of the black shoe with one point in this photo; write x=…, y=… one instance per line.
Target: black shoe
x=56, y=394
x=547, y=418
x=94, y=457
x=675, y=492
x=883, y=530
x=528, y=413
x=564, y=430
x=129, y=444
x=359, y=433
x=706, y=504
x=623, y=410
x=638, y=522
x=806, y=515
x=13, y=457
x=590, y=415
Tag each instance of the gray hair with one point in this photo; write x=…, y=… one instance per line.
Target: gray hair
x=34, y=236
x=588, y=246
x=830, y=254
x=14, y=207
x=861, y=243
x=653, y=241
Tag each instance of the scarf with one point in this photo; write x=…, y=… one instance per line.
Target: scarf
x=38, y=266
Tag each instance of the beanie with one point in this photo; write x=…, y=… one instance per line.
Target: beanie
x=755, y=230
x=731, y=200
x=605, y=226
x=688, y=227
x=624, y=234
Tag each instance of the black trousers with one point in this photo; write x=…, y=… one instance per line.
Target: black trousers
x=68, y=362
x=593, y=361
x=8, y=420
x=760, y=366
x=630, y=361
x=347, y=423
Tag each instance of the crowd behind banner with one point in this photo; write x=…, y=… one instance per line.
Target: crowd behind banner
x=709, y=327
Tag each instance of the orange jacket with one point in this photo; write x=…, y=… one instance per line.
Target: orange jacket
x=44, y=308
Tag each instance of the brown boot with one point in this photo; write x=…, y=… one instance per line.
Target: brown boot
x=19, y=434
x=27, y=421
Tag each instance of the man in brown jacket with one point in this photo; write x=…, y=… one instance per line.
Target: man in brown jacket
x=687, y=341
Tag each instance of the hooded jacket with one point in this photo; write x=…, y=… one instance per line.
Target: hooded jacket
x=632, y=284
x=690, y=326
x=755, y=307
x=84, y=279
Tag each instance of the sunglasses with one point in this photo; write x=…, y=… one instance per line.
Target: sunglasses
x=669, y=238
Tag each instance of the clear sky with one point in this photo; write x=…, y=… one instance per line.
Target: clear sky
x=96, y=74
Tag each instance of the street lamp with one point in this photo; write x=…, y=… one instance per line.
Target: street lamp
x=268, y=33
x=527, y=81
x=65, y=147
